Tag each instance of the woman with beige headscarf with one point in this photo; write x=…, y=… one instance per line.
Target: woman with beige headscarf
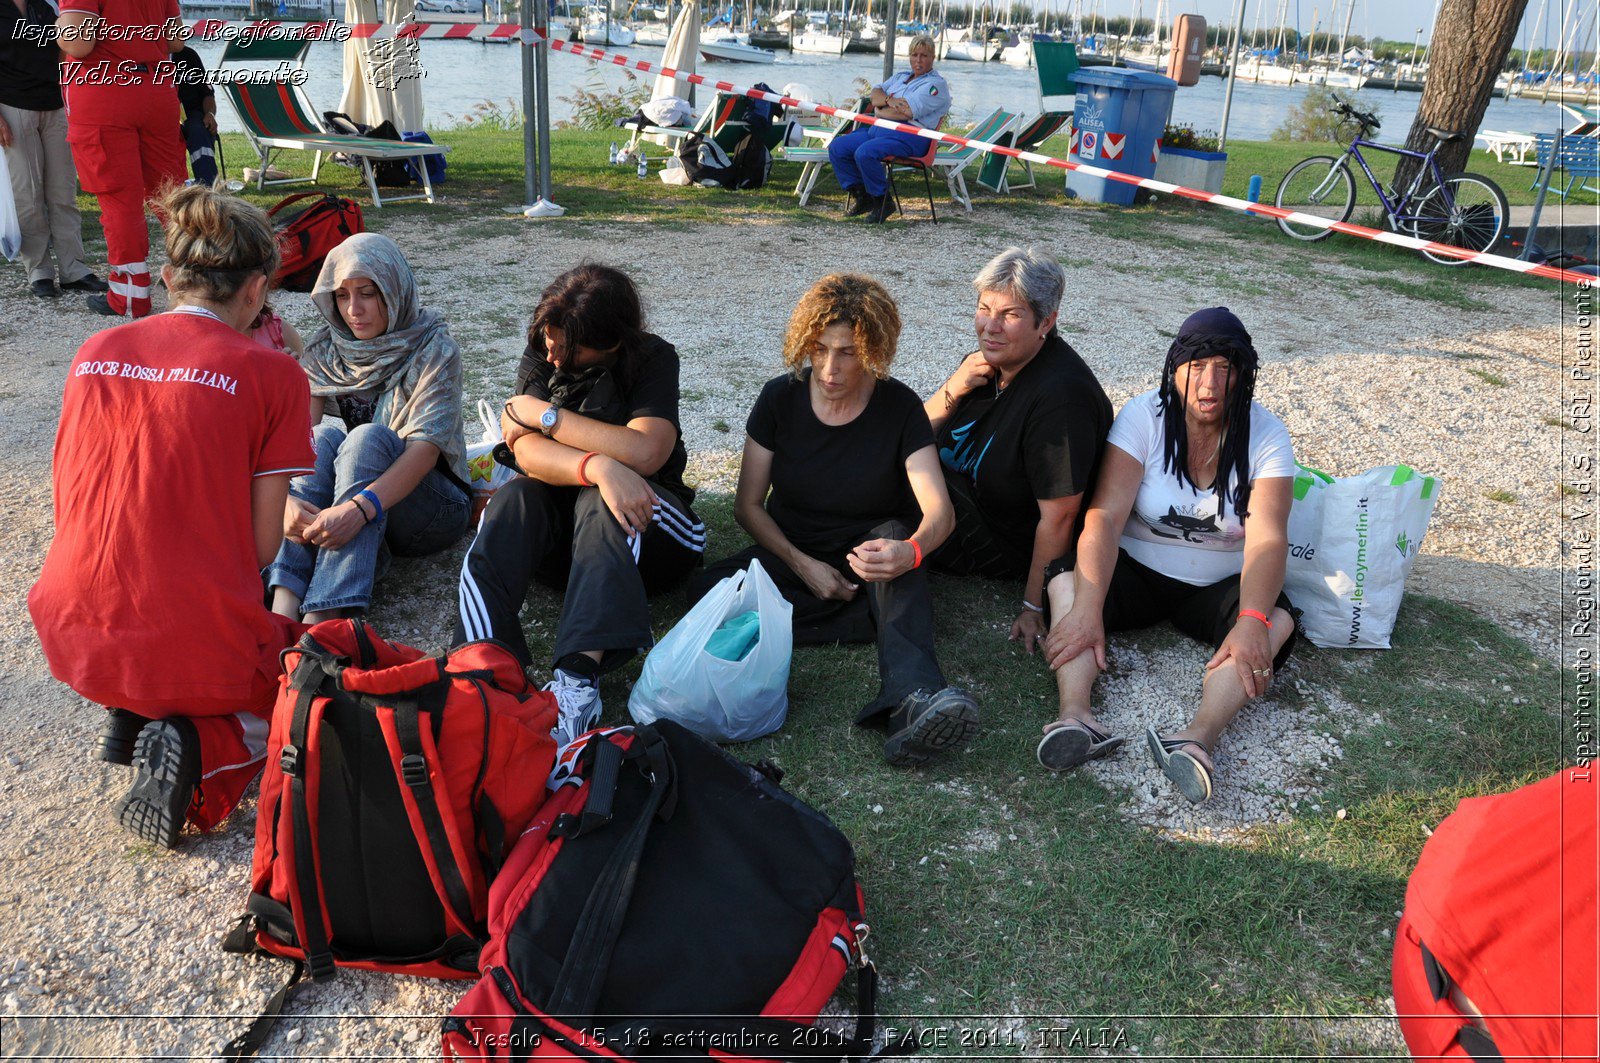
x=392, y=479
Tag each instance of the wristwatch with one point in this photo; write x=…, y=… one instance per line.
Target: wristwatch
x=548, y=419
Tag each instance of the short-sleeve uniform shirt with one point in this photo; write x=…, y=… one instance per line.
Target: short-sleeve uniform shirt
x=1040, y=438
x=1175, y=529
x=151, y=589
x=928, y=95
x=831, y=484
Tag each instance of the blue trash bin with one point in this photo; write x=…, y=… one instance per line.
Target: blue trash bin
x=1117, y=120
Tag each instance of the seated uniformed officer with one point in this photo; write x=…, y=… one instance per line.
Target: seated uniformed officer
x=916, y=97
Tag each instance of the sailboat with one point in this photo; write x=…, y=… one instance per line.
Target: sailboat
x=602, y=29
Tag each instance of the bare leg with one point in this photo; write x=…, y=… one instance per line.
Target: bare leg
x=1224, y=696
x=328, y=614
x=1075, y=679
x=286, y=603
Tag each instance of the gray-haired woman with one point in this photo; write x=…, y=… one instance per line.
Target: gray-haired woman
x=1020, y=426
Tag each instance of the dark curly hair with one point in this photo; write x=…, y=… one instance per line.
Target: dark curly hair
x=592, y=306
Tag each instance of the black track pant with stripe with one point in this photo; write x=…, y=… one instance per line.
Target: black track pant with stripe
x=567, y=536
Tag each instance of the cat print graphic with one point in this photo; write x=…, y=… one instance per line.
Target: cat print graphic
x=1187, y=527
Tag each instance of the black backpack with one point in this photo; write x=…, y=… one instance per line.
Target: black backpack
x=389, y=173
x=752, y=162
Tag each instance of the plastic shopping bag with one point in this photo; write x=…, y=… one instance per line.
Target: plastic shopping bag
x=688, y=679
x=484, y=474
x=10, y=227
x=1351, y=545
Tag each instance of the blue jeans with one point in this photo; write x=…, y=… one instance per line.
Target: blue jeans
x=434, y=515
x=857, y=157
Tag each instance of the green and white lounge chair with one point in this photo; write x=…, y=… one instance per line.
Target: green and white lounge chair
x=276, y=116
x=1057, y=63
x=724, y=121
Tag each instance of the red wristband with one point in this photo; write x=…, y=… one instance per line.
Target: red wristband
x=584, y=480
x=916, y=553
x=1256, y=614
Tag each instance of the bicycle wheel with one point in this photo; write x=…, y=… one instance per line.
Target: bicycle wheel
x=1465, y=211
x=1317, y=186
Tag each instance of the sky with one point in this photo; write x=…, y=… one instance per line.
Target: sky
x=1391, y=19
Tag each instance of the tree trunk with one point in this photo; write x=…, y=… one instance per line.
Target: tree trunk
x=1471, y=40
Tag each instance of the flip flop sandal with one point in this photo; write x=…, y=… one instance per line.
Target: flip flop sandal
x=1185, y=770
x=1073, y=743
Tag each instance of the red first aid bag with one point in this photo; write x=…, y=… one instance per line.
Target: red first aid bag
x=305, y=236
x=394, y=785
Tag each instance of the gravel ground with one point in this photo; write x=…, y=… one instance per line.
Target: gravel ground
x=1362, y=371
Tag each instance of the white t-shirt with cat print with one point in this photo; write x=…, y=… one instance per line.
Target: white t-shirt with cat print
x=1173, y=528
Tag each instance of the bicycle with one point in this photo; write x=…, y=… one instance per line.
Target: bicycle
x=1463, y=210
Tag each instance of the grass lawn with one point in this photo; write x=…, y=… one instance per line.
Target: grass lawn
x=994, y=889
x=486, y=175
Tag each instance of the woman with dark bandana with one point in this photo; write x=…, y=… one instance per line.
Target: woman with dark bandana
x=1188, y=523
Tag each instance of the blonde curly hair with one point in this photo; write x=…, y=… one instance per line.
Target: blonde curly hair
x=848, y=299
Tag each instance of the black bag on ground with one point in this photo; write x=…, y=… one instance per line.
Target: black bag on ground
x=752, y=162
x=668, y=900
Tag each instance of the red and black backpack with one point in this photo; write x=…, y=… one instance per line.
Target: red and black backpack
x=395, y=784
x=668, y=900
x=306, y=235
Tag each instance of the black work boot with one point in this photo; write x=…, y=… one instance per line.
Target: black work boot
x=167, y=756
x=117, y=736
x=882, y=210
x=859, y=203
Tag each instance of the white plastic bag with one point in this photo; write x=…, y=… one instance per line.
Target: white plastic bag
x=720, y=700
x=10, y=227
x=1351, y=545
x=485, y=475
x=673, y=173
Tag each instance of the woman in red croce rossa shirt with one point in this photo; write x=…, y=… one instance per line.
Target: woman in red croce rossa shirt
x=151, y=598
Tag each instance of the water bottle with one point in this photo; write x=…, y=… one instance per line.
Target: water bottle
x=644, y=168
x=612, y=159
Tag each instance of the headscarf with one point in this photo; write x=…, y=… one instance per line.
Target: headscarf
x=1206, y=334
x=415, y=367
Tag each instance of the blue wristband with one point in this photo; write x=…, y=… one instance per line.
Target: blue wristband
x=377, y=506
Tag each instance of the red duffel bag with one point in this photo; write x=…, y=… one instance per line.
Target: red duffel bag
x=395, y=784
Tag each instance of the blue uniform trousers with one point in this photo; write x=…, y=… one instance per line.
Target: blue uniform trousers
x=858, y=157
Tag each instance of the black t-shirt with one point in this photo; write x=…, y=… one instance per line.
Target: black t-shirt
x=642, y=383
x=831, y=484
x=1041, y=437
x=30, y=75
x=193, y=90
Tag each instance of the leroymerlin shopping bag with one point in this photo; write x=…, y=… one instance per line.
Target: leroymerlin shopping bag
x=1351, y=545
x=716, y=698
x=485, y=474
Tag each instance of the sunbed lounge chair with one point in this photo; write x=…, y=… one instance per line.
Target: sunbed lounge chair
x=1057, y=63
x=1578, y=157
x=813, y=158
x=725, y=120
x=277, y=116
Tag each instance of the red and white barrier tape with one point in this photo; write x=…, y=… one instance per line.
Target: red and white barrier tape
x=486, y=31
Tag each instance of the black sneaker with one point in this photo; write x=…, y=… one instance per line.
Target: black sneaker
x=168, y=758
x=860, y=203
x=925, y=725
x=86, y=283
x=44, y=288
x=118, y=736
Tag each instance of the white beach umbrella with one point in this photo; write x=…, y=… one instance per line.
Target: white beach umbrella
x=682, y=52
x=382, y=78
